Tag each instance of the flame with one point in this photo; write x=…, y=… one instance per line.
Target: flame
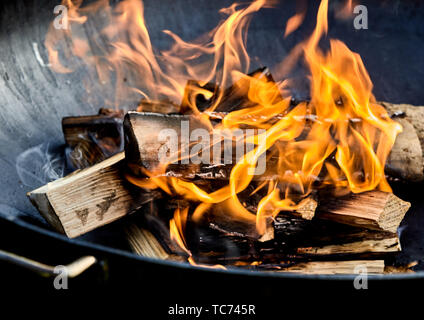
x=294, y=23
x=124, y=45
x=177, y=231
x=341, y=138
x=346, y=11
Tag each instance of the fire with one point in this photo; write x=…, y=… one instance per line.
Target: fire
x=294, y=23
x=340, y=138
x=176, y=228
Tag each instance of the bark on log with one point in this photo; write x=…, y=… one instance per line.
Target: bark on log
x=89, y=198
x=414, y=114
x=405, y=160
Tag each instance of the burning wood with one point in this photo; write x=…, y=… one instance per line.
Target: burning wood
x=92, y=139
x=237, y=157
x=321, y=238
x=296, y=239
x=90, y=198
x=372, y=210
x=154, y=138
x=162, y=106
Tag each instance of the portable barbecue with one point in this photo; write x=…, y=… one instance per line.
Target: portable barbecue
x=260, y=150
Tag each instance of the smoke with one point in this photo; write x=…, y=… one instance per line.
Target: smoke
x=40, y=164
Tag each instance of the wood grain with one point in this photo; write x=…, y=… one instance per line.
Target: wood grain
x=89, y=198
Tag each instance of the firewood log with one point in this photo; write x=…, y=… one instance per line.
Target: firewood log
x=89, y=198
x=220, y=220
x=298, y=239
x=144, y=243
x=325, y=238
x=92, y=139
x=375, y=210
x=337, y=267
x=160, y=106
x=143, y=143
x=405, y=160
x=414, y=114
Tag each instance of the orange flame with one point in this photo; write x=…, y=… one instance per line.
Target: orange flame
x=176, y=228
x=341, y=138
x=294, y=23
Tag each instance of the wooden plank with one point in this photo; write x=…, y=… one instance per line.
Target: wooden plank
x=89, y=198
x=93, y=138
x=337, y=267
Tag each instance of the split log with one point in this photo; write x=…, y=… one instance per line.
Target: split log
x=414, y=114
x=236, y=225
x=406, y=160
x=89, y=198
x=296, y=239
x=374, y=210
x=407, y=268
x=151, y=139
x=337, y=267
x=92, y=139
x=239, y=226
x=144, y=142
x=160, y=106
x=325, y=238
x=144, y=243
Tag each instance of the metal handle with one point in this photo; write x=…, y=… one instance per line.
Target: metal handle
x=73, y=269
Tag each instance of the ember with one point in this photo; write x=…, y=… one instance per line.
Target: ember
x=223, y=160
